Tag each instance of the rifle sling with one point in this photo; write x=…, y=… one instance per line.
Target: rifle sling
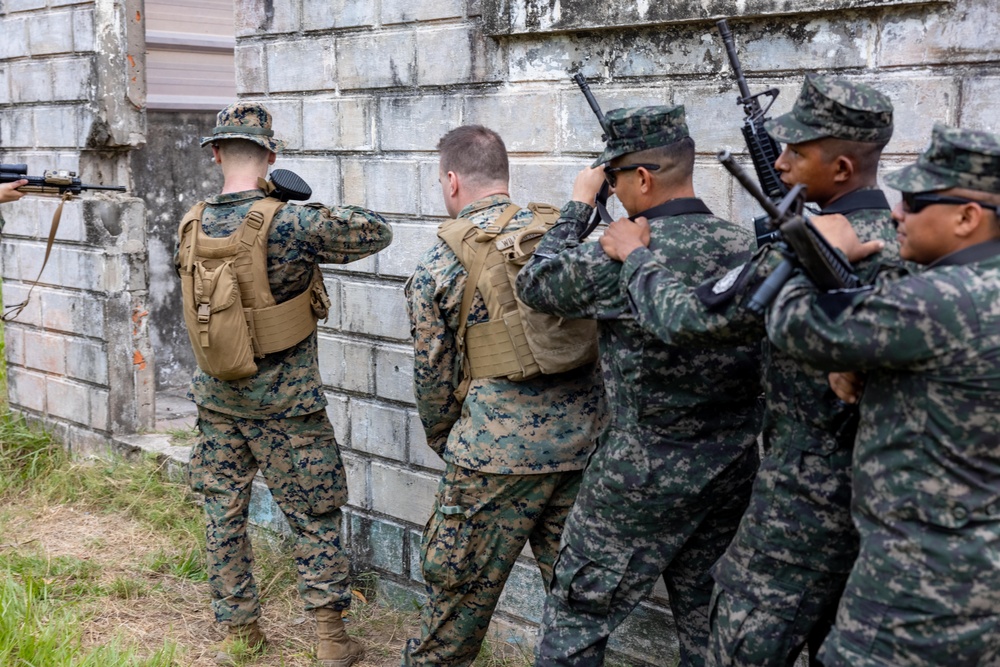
x=11, y=313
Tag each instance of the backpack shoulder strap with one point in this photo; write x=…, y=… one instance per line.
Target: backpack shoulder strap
x=453, y=232
x=475, y=268
x=257, y=222
x=190, y=224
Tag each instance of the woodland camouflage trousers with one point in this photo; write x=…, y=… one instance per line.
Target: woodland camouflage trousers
x=479, y=526
x=300, y=461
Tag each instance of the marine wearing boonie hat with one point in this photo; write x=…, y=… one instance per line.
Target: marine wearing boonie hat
x=956, y=158
x=641, y=128
x=245, y=120
x=837, y=108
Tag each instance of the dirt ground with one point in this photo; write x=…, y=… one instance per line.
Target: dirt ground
x=168, y=607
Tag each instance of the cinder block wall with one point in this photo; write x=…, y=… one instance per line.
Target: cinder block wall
x=71, y=97
x=363, y=89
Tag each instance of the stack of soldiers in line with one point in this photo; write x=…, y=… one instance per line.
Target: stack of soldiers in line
x=854, y=510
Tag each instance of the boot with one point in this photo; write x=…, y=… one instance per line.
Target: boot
x=334, y=648
x=242, y=641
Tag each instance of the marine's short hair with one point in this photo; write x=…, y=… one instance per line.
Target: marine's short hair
x=476, y=153
x=241, y=150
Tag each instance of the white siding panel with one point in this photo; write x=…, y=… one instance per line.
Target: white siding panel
x=203, y=17
x=190, y=81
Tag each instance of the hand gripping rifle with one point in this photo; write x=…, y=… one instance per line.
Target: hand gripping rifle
x=763, y=149
x=52, y=182
x=804, y=247
x=600, y=212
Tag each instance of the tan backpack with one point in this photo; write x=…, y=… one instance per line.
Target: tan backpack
x=517, y=342
x=229, y=311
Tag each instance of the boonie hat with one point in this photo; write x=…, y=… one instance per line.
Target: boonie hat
x=831, y=107
x=639, y=128
x=956, y=158
x=245, y=120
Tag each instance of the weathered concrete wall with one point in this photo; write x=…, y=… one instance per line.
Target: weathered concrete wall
x=363, y=91
x=171, y=173
x=71, y=97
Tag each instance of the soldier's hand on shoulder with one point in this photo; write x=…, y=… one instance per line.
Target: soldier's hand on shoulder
x=588, y=183
x=623, y=236
x=9, y=191
x=847, y=385
x=838, y=231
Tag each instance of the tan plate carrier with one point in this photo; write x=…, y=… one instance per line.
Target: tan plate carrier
x=517, y=342
x=218, y=272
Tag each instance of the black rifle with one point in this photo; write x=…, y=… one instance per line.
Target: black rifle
x=803, y=245
x=51, y=182
x=600, y=212
x=764, y=150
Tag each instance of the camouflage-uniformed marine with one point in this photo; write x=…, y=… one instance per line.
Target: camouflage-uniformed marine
x=925, y=589
x=780, y=580
x=275, y=420
x=671, y=476
x=514, y=453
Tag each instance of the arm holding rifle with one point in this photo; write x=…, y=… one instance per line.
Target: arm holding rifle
x=9, y=191
x=15, y=183
x=51, y=182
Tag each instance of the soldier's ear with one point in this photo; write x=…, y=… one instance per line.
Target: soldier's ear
x=970, y=219
x=843, y=169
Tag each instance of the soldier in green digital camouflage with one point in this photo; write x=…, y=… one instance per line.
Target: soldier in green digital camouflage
x=925, y=589
x=513, y=450
x=671, y=477
x=275, y=420
x=779, y=582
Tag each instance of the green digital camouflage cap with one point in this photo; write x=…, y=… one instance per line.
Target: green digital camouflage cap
x=956, y=158
x=640, y=128
x=245, y=120
x=837, y=108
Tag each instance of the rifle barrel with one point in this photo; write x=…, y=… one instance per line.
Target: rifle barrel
x=734, y=60
x=592, y=101
x=741, y=175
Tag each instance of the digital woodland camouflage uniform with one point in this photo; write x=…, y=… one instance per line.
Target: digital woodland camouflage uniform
x=925, y=590
x=275, y=420
x=780, y=580
x=671, y=476
x=514, y=452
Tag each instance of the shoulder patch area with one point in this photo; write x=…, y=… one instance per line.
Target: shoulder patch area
x=715, y=295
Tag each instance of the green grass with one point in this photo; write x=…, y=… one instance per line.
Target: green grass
x=40, y=626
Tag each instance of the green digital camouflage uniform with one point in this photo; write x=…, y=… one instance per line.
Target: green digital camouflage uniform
x=925, y=589
x=275, y=420
x=780, y=580
x=671, y=476
x=514, y=451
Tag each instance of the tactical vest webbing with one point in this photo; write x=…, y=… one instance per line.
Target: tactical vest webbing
x=270, y=327
x=517, y=342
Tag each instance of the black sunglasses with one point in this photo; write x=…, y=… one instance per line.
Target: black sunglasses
x=610, y=172
x=914, y=202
